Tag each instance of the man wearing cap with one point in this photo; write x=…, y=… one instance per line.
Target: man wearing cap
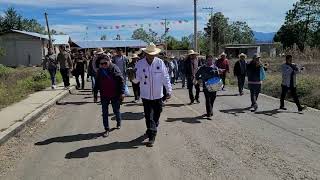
x=191, y=68
x=152, y=75
x=121, y=61
x=110, y=83
x=223, y=63
x=289, y=79
x=65, y=62
x=240, y=71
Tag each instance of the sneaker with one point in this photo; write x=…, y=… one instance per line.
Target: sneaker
x=106, y=133
x=191, y=102
x=241, y=94
x=53, y=87
x=118, y=127
x=302, y=108
x=150, y=143
x=197, y=100
x=283, y=108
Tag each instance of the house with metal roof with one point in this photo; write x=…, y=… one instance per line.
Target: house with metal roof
x=233, y=50
x=23, y=48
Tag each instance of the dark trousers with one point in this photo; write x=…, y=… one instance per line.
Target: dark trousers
x=190, y=88
x=223, y=78
x=115, y=102
x=82, y=80
x=152, y=112
x=241, y=81
x=293, y=91
x=210, y=98
x=65, y=76
x=136, y=90
x=255, y=90
x=52, y=72
x=183, y=79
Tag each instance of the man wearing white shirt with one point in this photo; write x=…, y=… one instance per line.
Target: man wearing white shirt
x=152, y=75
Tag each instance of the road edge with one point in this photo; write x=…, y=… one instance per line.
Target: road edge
x=20, y=125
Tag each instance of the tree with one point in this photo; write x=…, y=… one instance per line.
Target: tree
x=13, y=20
x=303, y=22
x=240, y=33
x=145, y=36
x=140, y=34
x=103, y=37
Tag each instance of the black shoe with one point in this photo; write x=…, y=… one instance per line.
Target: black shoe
x=255, y=107
x=118, y=127
x=191, y=102
x=106, y=133
x=197, y=100
x=302, y=108
x=150, y=142
x=283, y=108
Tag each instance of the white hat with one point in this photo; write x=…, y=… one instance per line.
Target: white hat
x=172, y=57
x=223, y=54
x=151, y=49
x=243, y=55
x=109, y=54
x=100, y=51
x=256, y=55
x=191, y=52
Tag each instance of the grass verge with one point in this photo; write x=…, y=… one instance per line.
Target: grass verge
x=17, y=84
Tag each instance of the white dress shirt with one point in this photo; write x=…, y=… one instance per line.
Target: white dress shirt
x=152, y=78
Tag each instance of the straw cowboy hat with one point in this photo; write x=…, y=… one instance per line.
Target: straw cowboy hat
x=135, y=56
x=172, y=57
x=100, y=51
x=256, y=55
x=151, y=49
x=223, y=54
x=191, y=52
x=242, y=55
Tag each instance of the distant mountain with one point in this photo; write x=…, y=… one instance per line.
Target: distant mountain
x=263, y=37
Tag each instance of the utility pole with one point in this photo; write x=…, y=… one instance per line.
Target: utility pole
x=211, y=29
x=165, y=35
x=49, y=33
x=195, y=27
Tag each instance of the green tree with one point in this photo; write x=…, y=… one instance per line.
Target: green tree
x=240, y=33
x=150, y=36
x=303, y=22
x=13, y=20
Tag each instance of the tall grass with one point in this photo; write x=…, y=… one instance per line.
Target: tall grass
x=16, y=84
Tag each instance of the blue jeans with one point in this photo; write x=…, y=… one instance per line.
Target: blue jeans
x=115, y=102
x=52, y=72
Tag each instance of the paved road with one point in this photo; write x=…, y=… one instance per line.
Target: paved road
x=66, y=143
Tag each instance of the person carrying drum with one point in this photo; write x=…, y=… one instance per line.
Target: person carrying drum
x=206, y=72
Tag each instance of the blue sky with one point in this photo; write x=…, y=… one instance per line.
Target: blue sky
x=74, y=16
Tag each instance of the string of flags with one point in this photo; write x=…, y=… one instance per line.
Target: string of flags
x=123, y=26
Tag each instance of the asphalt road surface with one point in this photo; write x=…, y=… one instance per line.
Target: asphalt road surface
x=66, y=143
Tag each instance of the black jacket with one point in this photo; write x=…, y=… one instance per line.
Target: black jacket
x=116, y=74
x=253, y=72
x=237, y=69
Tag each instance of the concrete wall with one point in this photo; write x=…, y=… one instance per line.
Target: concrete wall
x=22, y=49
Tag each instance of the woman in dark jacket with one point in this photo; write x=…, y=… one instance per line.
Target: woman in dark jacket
x=110, y=83
x=205, y=73
x=80, y=64
x=254, y=80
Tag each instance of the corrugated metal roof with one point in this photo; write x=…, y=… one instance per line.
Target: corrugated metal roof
x=241, y=47
x=60, y=39
x=32, y=34
x=111, y=44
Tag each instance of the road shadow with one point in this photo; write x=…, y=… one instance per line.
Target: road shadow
x=74, y=103
x=130, y=104
x=236, y=111
x=274, y=112
x=227, y=95
x=71, y=138
x=174, y=105
x=131, y=116
x=190, y=120
x=84, y=152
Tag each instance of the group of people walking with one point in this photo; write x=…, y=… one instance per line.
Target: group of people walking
x=152, y=75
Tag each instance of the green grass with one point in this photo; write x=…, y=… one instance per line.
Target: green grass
x=17, y=84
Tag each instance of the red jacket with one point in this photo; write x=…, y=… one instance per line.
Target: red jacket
x=223, y=64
